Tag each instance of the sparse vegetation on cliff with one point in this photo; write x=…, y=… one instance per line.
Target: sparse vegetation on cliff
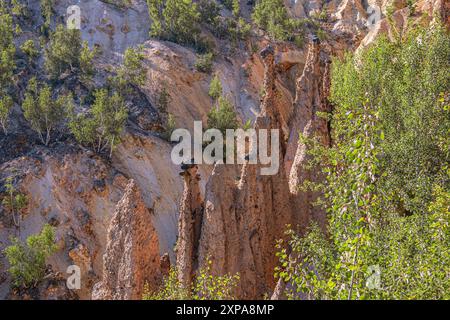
x=365, y=189
x=43, y=112
x=174, y=20
x=102, y=126
x=14, y=201
x=205, y=287
x=222, y=116
x=66, y=52
x=27, y=260
x=272, y=17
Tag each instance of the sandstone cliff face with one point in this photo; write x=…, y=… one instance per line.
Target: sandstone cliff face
x=132, y=255
x=232, y=216
x=76, y=193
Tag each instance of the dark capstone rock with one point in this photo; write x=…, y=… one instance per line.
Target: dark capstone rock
x=269, y=50
x=53, y=221
x=99, y=185
x=315, y=39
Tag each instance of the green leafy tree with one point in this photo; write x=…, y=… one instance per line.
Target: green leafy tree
x=236, y=6
x=6, y=104
x=102, y=126
x=169, y=127
x=47, y=12
x=156, y=10
x=209, y=11
x=204, y=63
x=174, y=20
x=222, y=116
x=63, y=51
x=7, y=50
x=42, y=111
x=66, y=53
x=272, y=16
x=14, y=201
x=7, y=64
x=132, y=69
x=29, y=48
x=18, y=9
x=27, y=260
x=130, y=73
x=386, y=178
x=87, y=56
x=215, y=88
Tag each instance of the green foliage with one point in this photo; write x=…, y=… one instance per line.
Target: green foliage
x=412, y=120
x=222, y=116
x=272, y=17
x=6, y=104
x=238, y=30
x=47, y=12
x=132, y=70
x=42, y=111
x=7, y=51
x=234, y=28
x=14, y=201
x=63, y=51
x=29, y=48
x=67, y=53
x=130, y=73
x=215, y=88
x=236, y=8
x=174, y=20
x=87, y=69
x=205, y=287
x=102, y=126
x=209, y=11
x=7, y=64
x=320, y=15
x=18, y=9
x=27, y=260
x=122, y=4
x=163, y=102
x=386, y=178
x=411, y=6
x=169, y=127
x=247, y=125
x=204, y=63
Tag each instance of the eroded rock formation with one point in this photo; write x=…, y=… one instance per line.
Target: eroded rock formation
x=132, y=255
x=245, y=212
x=189, y=227
x=311, y=98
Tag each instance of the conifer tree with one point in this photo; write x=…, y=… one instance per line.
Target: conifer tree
x=42, y=111
x=102, y=126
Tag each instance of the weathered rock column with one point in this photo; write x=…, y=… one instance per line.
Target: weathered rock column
x=132, y=255
x=247, y=212
x=189, y=225
x=308, y=102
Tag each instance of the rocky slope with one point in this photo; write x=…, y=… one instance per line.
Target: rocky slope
x=116, y=217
